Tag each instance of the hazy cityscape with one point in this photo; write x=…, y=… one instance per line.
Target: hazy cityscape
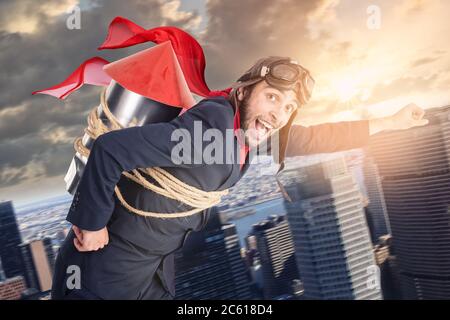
x=365, y=224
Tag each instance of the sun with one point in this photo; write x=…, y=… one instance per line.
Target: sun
x=346, y=89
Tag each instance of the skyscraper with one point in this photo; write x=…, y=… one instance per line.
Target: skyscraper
x=10, y=239
x=12, y=288
x=276, y=252
x=253, y=263
x=331, y=238
x=376, y=208
x=50, y=252
x=415, y=166
x=2, y=273
x=209, y=266
x=38, y=261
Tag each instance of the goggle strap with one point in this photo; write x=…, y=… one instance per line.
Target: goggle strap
x=264, y=71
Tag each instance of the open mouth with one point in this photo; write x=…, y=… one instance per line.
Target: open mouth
x=263, y=128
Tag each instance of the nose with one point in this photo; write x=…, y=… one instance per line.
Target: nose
x=278, y=117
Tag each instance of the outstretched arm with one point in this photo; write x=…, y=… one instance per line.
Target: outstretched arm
x=327, y=137
x=340, y=136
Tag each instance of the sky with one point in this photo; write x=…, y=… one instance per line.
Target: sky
x=369, y=58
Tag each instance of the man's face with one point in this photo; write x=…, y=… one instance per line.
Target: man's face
x=265, y=111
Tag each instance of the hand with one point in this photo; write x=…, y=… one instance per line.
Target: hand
x=90, y=240
x=408, y=117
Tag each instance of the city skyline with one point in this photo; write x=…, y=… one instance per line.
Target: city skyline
x=404, y=173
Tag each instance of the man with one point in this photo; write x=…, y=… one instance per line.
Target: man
x=122, y=255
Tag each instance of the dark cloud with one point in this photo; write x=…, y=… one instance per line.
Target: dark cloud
x=33, y=116
x=240, y=32
x=33, y=156
x=44, y=57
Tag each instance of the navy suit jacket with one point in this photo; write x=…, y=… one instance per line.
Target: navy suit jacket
x=95, y=206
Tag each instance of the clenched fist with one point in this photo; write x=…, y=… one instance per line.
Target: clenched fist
x=408, y=117
x=90, y=240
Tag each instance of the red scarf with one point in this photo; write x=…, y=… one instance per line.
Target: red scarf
x=125, y=33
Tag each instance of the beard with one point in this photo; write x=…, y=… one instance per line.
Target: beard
x=244, y=112
x=244, y=116
x=246, y=119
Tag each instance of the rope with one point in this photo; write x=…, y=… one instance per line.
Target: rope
x=169, y=186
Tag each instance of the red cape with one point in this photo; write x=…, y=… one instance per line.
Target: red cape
x=124, y=33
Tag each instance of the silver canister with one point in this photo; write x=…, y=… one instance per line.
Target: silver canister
x=128, y=108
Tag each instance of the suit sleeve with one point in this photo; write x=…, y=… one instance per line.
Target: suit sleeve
x=136, y=147
x=327, y=137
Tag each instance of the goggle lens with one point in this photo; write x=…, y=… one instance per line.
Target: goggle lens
x=289, y=75
x=285, y=72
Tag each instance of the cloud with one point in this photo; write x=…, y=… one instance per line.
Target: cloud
x=36, y=51
x=12, y=175
x=403, y=86
x=239, y=33
x=57, y=135
x=323, y=13
x=412, y=7
x=423, y=61
x=409, y=54
x=172, y=15
x=26, y=15
x=44, y=57
x=43, y=155
x=33, y=117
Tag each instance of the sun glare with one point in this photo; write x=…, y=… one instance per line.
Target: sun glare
x=346, y=89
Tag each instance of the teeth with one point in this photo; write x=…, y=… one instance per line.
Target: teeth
x=266, y=124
